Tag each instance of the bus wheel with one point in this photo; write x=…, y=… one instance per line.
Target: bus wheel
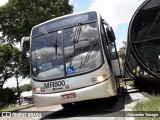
x=66, y=105
x=115, y=98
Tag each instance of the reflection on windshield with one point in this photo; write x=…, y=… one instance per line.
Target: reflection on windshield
x=48, y=59
x=85, y=54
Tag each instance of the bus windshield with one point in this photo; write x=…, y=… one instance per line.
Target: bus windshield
x=66, y=52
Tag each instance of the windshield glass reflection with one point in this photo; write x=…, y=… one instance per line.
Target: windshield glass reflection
x=64, y=52
x=84, y=54
x=47, y=59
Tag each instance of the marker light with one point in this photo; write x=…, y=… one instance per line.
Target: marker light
x=101, y=78
x=42, y=89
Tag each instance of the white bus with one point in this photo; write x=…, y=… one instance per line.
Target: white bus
x=73, y=58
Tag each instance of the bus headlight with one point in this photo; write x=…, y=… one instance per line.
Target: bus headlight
x=101, y=78
x=36, y=90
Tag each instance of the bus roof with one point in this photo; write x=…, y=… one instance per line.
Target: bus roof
x=63, y=21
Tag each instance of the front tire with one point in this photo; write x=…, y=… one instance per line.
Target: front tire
x=115, y=98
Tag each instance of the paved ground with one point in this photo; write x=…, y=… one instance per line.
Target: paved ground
x=95, y=109
x=131, y=98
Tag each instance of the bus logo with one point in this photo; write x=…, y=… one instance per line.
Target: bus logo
x=70, y=69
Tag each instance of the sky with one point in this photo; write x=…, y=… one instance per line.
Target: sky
x=118, y=13
x=2, y=2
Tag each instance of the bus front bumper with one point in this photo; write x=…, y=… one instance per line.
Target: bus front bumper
x=101, y=90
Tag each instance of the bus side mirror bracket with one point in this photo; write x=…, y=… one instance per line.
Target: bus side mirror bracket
x=110, y=34
x=24, y=46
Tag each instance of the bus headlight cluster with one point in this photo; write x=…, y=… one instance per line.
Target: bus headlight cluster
x=38, y=89
x=100, y=78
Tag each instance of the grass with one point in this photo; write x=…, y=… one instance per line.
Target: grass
x=14, y=108
x=128, y=83
x=153, y=104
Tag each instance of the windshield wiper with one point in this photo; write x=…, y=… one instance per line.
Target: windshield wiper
x=53, y=42
x=77, y=34
x=86, y=59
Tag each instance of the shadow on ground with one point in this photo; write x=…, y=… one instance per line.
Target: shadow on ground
x=151, y=88
x=101, y=108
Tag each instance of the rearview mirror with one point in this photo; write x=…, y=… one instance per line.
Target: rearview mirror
x=24, y=46
x=110, y=34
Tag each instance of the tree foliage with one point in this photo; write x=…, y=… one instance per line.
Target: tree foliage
x=22, y=88
x=9, y=61
x=122, y=55
x=26, y=87
x=121, y=52
x=7, y=97
x=17, y=17
x=24, y=68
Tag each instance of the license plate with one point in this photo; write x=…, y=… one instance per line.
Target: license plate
x=68, y=96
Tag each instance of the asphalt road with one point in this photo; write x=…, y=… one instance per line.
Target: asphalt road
x=97, y=109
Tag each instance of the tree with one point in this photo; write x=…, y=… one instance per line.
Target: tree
x=122, y=55
x=24, y=68
x=26, y=87
x=7, y=97
x=17, y=17
x=121, y=52
x=9, y=61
